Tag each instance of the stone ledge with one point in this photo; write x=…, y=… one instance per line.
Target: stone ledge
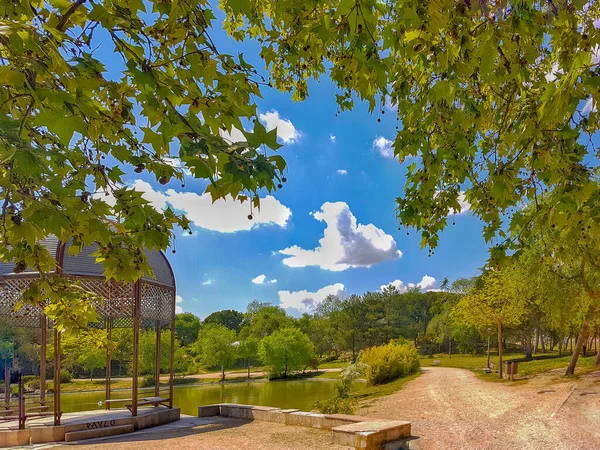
x=362, y=433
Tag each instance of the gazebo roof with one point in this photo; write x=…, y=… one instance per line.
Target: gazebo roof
x=85, y=265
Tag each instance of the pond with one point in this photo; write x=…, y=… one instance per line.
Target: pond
x=299, y=394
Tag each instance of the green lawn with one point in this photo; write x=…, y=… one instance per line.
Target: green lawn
x=381, y=390
x=527, y=368
x=334, y=365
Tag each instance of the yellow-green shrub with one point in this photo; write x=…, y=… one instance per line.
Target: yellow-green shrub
x=389, y=362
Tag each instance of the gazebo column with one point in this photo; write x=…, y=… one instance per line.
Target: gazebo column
x=44, y=343
x=108, y=361
x=172, y=359
x=57, y=412
x=157, y=368
x=136, y=345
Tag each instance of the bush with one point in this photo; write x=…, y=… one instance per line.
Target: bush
x=336, y=405
x=389, y=362
x=148, y=381
x=65, y=376
x=31, y=382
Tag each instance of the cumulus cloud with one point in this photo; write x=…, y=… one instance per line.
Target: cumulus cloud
x=427, y=283
x=305, y=301
x=342, y=171
x=590, y=106
x=208, y=282
x=285, y=128
x=224, y=216
x=332, y=138
x=384, y=147
x=465, y=206
x=262, y=279
x=236, y=135
x=178, y=307
x=345, y=242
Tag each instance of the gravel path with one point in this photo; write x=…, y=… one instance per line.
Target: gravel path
x=453, y=409
x=215, y=433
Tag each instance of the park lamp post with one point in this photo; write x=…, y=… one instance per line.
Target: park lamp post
x=489, y=330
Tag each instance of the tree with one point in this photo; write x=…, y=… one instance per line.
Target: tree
x=68, y=127
x=187, y=326
x=248, y=351
x=216, y=342
x=496, y=98
x=230, y=318
x=92, y=359
x=147, y=351
x=494, y=301
x=286, y=350
x=262, y=319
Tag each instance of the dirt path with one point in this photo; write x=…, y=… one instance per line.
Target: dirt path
x=213, y=375
x=453, y=409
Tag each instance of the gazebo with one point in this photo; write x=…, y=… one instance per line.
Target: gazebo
x=148, y=303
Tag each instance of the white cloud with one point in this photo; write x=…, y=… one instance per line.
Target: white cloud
x=178, y=308
x=383, y=146
x=332, y=138
x=224, y=216
x=208, y=282
x=345, y=243
x=262, y=279
x=465, y=206
x=427, y=283
x=285, y=129
x=176, y=162
x=305, y=301
x=554, y=71
x=590, y=106
x=342, y=171
x=233, y=137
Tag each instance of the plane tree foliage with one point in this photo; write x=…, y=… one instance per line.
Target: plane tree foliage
x=495, y=99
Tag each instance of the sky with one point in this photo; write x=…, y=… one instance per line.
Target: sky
x=332, y=229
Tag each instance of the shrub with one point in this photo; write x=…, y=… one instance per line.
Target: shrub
x=65, y=376
x=31, y=382
x=389, y=362
x=342, y=403
x=148, y=381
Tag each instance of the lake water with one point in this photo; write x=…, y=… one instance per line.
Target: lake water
x=300, y=394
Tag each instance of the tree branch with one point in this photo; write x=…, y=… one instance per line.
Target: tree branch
x=65, y=17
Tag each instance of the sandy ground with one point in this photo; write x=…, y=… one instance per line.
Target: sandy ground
x=216, y=433
x=453, y=409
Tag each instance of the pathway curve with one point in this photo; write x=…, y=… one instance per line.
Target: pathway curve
x=453, y=409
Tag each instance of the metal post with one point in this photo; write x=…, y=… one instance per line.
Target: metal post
x=44, y=343
x=57, y=412
x=136, y=345
x=22, y=416
x=489, y=330
x=172, y=361
x=157, y=369
x=7, y=386
x=108, y=362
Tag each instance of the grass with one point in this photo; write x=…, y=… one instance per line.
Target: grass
x=380, y=390
x=540, y=363
x=334, y=364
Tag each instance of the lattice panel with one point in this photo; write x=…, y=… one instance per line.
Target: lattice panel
x=157, y=303
x=117, y=303
x=11, y=293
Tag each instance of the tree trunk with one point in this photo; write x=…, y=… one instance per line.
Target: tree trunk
x=560, y=342
x=248, y=365
x=91, y=374
x=537, y=341
x=528, y=347
x=580, y=340
x=222, y=373
x=598, y=359
x=542, y=339
x=500, y=348
x=450, y=348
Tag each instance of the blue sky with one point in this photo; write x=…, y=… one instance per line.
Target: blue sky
x=330, y=160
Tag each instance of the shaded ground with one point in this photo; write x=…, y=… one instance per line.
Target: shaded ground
x=216, y=433
x=453, y=409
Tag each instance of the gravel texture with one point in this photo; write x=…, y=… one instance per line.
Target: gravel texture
x=216, y=433
x=453, y=409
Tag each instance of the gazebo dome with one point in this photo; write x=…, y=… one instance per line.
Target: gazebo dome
x=84, y=265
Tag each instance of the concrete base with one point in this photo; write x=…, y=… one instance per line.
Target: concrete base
x=88, y=425
x=362, y=433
